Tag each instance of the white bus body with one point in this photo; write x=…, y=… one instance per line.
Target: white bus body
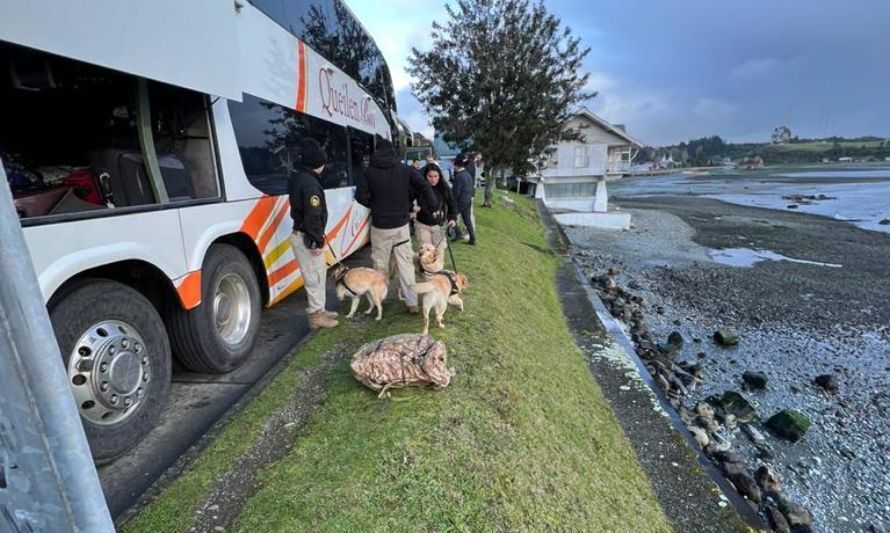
x=241, y=64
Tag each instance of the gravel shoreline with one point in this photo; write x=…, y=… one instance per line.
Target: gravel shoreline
x=795, y=320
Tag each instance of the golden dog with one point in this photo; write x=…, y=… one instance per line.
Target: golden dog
x=428, y=260
x=358, y=282
x=441, y=290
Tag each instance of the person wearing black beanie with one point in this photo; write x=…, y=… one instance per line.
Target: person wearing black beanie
x=310, y=214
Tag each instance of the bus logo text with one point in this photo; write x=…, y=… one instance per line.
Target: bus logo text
x=337, y=100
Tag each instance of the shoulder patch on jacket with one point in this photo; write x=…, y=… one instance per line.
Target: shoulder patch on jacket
x=314, y=200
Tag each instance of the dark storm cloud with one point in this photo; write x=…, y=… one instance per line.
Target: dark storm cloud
x=678, y=69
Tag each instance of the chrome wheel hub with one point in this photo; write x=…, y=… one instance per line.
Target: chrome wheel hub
x=231, y=308
x=109, y=372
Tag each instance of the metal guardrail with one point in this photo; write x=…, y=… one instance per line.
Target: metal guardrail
x=48, y=482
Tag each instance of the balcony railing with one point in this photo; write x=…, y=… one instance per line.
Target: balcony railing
x=618, y=167
x=598, y=169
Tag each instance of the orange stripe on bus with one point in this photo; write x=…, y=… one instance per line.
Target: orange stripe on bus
x=287, y=292
x=301, y=77
x=258, y=216
x=279, y=274
x=336, y=229
x=357, y=233
x=270, y=230
x=189, y=290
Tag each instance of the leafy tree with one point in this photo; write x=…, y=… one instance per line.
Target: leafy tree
x=501, y=79
x=781, y=135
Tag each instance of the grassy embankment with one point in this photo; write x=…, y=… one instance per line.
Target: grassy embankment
x=522, y=439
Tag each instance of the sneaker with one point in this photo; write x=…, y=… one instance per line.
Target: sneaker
x=330, y=314
x=318, y=320
x=472, y=242
x=413, y=309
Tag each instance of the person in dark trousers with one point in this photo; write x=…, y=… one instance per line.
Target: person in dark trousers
x=429, y=226
x=386, y=189
x=462, y=184
x=310, y=214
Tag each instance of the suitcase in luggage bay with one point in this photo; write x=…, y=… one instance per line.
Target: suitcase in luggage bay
x=123, y=174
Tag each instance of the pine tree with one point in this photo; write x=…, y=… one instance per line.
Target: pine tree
x=501, y=79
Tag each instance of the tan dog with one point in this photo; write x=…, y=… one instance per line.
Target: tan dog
x=442, y=289
x=358, y=282
x=428, y=260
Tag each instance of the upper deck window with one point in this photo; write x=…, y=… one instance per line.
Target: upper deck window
x=330, y=29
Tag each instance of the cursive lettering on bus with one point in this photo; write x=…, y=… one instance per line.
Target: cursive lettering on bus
x=337, y=99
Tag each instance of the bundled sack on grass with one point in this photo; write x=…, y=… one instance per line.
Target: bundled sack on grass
x=407, y=360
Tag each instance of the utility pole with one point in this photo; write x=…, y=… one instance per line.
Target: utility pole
x=48, y=482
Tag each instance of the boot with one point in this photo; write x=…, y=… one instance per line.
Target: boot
x=319, y=320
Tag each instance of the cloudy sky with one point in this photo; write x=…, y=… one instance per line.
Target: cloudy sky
x=674, y=70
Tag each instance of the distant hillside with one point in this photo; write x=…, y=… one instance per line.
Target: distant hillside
x=711, y=151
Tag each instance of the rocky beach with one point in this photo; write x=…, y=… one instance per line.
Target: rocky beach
x=791, y=398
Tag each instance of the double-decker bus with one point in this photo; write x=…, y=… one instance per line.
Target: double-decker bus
x=148, y=146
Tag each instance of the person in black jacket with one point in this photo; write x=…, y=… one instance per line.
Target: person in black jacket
x=429, y=226
x=463, y=195
x=386, y=188
x=310, y=214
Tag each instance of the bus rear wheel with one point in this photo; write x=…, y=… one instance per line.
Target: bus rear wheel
x=219, y=334
x=117, y=357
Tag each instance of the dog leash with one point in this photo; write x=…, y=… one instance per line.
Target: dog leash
x=450, y=253
x=333, y=255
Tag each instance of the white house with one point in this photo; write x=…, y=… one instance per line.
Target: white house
x=574, y=176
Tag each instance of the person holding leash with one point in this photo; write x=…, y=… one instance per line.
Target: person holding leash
x=310, y=214
x=430, y=224
x=463, y=195
x=385, y=188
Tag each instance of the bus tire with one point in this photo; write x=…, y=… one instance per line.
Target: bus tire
x=219, y=334
x=117, y=358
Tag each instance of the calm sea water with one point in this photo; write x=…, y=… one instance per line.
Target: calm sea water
x=859, y=194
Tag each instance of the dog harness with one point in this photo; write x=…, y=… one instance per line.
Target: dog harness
x=452, y=278
x=428, y=273
x=342, y=280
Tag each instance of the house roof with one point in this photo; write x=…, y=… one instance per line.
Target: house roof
x=603, y=123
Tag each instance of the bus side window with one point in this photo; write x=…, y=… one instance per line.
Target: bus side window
x=332, y=138
x=360, y=147
x=267, y=136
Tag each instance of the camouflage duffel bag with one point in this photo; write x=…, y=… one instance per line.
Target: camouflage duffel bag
x=402, y=361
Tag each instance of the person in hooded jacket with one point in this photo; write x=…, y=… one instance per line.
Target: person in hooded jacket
x=386, y=189
x=463, y=195
x=310, y=214
x=429, y=226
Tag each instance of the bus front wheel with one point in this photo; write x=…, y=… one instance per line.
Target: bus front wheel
x=219, y=334
x=117, y=356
